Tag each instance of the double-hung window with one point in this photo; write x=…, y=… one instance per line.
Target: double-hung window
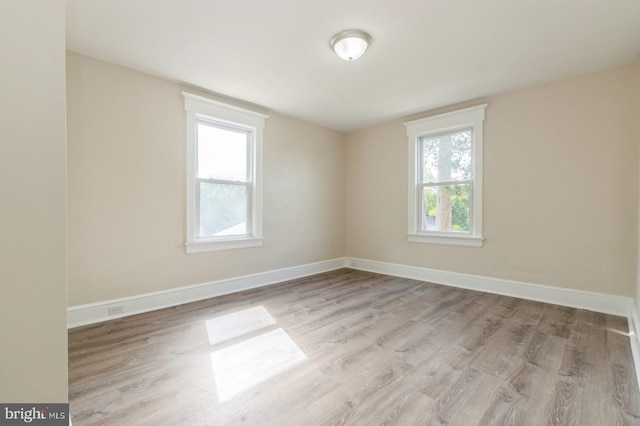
x=224, y=182
x=445, y=178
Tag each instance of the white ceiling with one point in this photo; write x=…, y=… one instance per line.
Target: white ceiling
x=424, y=54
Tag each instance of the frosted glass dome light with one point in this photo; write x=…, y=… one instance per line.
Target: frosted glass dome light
x=350, y=44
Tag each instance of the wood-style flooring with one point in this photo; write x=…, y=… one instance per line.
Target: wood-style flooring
x=351, y=347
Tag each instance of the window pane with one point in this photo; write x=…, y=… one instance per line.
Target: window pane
x=447, y=157
x=222, y=153
x=223, y=209
x=445, y=208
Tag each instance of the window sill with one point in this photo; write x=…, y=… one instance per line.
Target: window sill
x=447, y=239
x=231, y=244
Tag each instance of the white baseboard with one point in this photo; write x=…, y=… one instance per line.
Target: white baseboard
x=97, y=312
x=634, y=328
x=598, y=302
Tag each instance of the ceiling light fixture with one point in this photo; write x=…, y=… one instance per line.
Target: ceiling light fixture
x=350, y=44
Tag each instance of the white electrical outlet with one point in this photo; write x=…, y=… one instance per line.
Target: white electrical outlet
x=115, y=310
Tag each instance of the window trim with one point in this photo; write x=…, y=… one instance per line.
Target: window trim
x=473, y=118
x=219, y=113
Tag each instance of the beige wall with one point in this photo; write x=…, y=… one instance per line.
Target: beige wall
x=127, y=189
x=560, y=187
x=637, y=293
x=33, y=296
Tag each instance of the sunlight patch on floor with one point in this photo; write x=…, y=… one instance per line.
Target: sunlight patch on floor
x=242, y=366
x=227, y=327
x=621, y=332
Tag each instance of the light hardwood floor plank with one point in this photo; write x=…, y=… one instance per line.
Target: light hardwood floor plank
x=353, y=348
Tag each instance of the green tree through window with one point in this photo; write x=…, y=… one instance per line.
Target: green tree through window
x=447, y=174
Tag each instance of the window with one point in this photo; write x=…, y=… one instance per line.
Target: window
x=224, y=188
x=445, y=178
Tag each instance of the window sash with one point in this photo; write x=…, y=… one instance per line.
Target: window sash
x=422, y=140
x=421, y=184
x=248, y=182
x=249, y=141
x=420, y=202
x=249, y=208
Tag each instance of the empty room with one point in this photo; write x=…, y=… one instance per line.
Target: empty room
x=268, y=213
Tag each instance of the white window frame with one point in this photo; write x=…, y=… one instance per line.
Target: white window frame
x=219, y=113
x=472, y=118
